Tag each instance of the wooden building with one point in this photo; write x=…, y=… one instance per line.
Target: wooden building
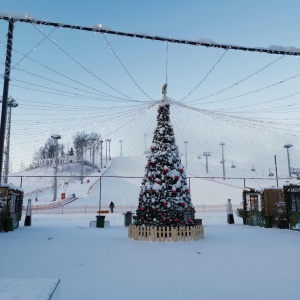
x=11, y=203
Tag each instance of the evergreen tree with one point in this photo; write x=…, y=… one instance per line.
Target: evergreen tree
x=164, y=198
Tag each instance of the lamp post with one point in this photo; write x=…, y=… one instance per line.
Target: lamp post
x=5, y=90
x=145, y=135
x=83, y=143
x=101, y=142
x=10, y=104
x=223, y=159
x=120, y=147
x=93, y=150
x=56, y=137
x=109, y=140
x=106, y=150
x=288, y=146
x=185, y=148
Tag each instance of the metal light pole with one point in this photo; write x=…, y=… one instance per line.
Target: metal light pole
x=120, y=147
x=288, y=146
x=106, y=150
x=83, y=144
x=276, y=170
x=11, y=103
x=185, y=148
x=109, y=140
x=5, y=90
x=223, y=159
x=56, y=137
x=206, y=154
x=93, y=151
x=101, y=142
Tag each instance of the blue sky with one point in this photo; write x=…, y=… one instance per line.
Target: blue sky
x=241, y=116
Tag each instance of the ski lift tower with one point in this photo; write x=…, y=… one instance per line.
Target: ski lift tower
x=56, y=137
x=288, y=146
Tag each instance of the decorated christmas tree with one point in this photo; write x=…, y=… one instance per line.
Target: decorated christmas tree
x=164, y=198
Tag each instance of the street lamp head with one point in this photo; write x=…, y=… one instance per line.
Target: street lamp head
x=288, y=145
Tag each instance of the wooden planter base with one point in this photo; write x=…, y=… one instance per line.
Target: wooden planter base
x=166, y=234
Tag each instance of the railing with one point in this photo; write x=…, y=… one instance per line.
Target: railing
x=61, y=207
x=166, y=234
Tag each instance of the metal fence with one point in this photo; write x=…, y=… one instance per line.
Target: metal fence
x=93, y=209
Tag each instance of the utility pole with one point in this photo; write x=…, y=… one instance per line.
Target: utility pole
x=56, y=137
x=5, y=90
x=206, y=154
x=109, y=140
x=101, y=142
x=185, y=148
x=93, y=151
x=288, y=146
x=120, y=147
x=11, y=103
x=223, y=159
x=276, y=170
x=83, y=144
x=106, y=150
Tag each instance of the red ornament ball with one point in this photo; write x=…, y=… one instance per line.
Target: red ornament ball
x=160, y=214
x=153, y=149
x=165, y=203
x=182, y=204
x=142, y=208
x=149, y=163
x=176, y=220
x=174, y=192
x=180, y=170
x=189, y=220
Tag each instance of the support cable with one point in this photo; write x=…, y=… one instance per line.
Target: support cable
x=204, y=78
x=83, y=67
x=238, y=82
x=123, y=66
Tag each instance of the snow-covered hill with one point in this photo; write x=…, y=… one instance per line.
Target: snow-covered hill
x=117, y=186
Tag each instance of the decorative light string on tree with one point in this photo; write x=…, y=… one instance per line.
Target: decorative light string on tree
x=164, y=198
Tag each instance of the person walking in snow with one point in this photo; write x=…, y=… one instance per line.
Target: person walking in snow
x=111, y=206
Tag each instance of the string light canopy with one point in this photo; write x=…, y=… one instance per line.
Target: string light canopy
x=99, y=28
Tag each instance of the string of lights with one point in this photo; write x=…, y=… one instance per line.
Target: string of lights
x=65, y=76
x=33, y=49
x=238, y=82
x=123, y=66
x=205, y=77
x=84, y=68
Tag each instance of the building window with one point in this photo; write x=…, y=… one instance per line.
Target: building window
x=294, y=201
x=253, y=202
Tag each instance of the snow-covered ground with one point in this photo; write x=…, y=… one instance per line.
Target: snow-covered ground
x=232, y=262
